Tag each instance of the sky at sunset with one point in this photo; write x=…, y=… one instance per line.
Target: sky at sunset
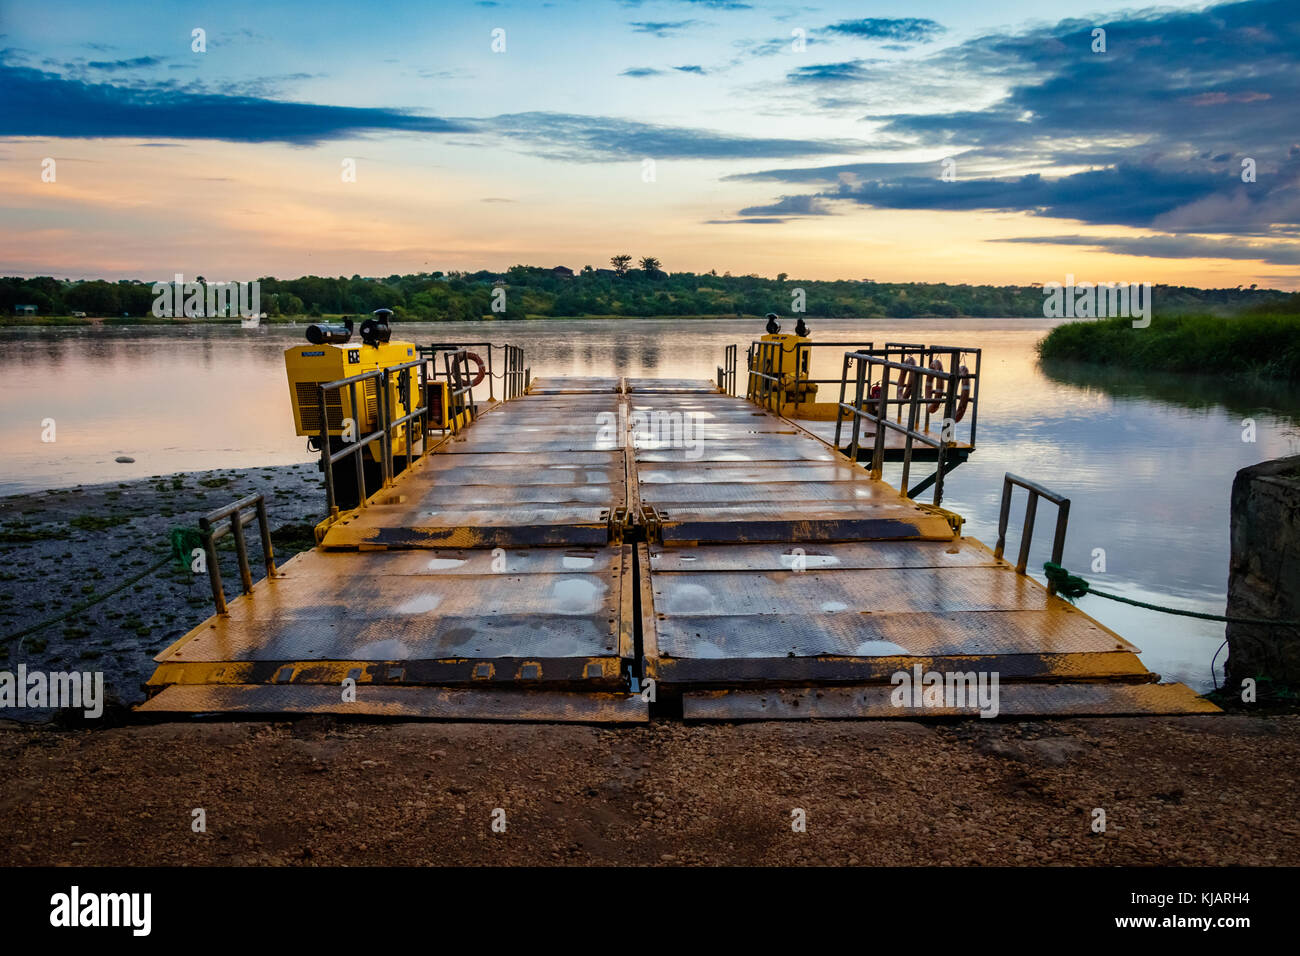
x=714, y=134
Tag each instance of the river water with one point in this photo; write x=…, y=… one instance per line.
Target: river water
x=1148, y=461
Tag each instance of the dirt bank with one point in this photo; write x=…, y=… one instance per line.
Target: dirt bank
x=1180, y=791
x=61, y=548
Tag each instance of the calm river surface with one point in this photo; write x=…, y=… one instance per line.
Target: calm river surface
x=1147, y=461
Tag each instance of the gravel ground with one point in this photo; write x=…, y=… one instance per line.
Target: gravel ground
x=60, y=548
x=1176, y=791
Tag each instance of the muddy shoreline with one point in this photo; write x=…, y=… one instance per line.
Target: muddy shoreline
x=63, y=547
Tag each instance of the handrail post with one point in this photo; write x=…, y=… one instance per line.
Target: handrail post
x=264, y=527
x=356, y=438
x=839, y=407
x=859, y=399
x=913, y=413
x=882, y=413
x=241, y=551
x=214, y=569
x=327, y=466
x=385, y=426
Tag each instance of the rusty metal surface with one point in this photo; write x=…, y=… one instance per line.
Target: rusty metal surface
x=531, y=473
x=573, y=385
x=1014, y=700
x=670, y=385
x=436, y=703
x=790, y=523
x=490, y=581
x=813, y=557
x=540, y=616
x=776, y=448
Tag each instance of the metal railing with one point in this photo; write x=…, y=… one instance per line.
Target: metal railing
x=460, y=385
x=357, y=444
x=212, y=530
x=408, y=380
x=956, y=360
x=871, y=394
x=514, y=376
x=727, y=371
x=1036, y=491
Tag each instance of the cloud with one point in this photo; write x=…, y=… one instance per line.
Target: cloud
x=662, y=28
x=1160, y=123
x=1175, y=247
x=905, y=30
x=698, y=70
x=789, y=206
x=602, y=139
x=849, y=71
x=139, y=62
x=640, y=71
x=45, y=104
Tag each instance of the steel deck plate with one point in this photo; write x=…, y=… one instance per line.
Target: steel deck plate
x=1014, y=700
x=437, y=703
x=671, y=385
x=434, y=616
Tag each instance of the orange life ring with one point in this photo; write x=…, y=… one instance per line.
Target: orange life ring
x=482, y=369
x=963, y=400
x=933, y=390
x=905, y=381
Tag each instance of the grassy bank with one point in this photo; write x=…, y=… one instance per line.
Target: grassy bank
x=1246, y=346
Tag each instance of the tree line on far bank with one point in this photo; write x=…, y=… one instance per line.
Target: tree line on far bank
x=624, y=290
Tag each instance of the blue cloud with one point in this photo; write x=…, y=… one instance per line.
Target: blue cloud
x=906, y=29
x=662, y=28
x=139, y=62
x=1175, y=247
x=45, y=104
x=849, y=71
x=602, y=139
x=1165, y=117
x=789, y=206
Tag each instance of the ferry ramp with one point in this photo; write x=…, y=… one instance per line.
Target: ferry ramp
x=599, y=547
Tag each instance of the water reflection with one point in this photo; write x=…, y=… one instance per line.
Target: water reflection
x=1148, y=461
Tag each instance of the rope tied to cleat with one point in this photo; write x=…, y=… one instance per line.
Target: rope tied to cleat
x=1071, y=587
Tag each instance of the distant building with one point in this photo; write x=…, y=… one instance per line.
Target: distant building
x=562, y=272
x=24, y=310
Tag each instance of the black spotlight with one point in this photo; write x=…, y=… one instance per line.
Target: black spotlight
x=325, y=333
x=376, y=329
x=773, y=326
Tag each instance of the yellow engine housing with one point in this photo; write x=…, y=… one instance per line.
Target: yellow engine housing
x=308, y=366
